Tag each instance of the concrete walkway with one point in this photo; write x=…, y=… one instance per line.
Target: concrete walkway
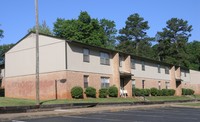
x=58, y=112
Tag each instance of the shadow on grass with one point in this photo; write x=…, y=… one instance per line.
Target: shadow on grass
x=46, y=101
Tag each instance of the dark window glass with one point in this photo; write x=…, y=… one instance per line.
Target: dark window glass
x=85, y=80
x=86, y=57
x=104, y=58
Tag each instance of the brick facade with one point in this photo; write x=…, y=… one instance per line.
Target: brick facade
x=56, y=85
x=58, y=75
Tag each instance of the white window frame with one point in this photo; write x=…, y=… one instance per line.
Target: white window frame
x=105, y=82
x=133, y=83
x=121, y=59
x=85, y=81
x=159, y=69
x=166, y=70
x=86, y=55
x=132, y=63
x=143, y=65
x=167, y=85
x=104, y=58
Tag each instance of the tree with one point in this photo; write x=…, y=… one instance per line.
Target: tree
x=110, y=32
x=1, y=33
x=44, y=29
x=172, y=42
x=134, y=36
x=193, y=49
x=85, y=29
x=5, y=47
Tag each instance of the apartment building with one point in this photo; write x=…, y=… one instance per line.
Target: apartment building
x=65, y=64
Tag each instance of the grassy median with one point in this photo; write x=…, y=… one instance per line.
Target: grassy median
x=15, y=102
x=24, y=102
x=169, y=98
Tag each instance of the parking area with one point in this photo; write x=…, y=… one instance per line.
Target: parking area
x=168, y=114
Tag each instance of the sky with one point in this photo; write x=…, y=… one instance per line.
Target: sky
x=17, y=16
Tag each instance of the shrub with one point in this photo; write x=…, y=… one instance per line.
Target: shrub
x=90, y=92
x=113, y=91
x=140, y=92
x=136, y=92
x=77, y=92
x=165, y=92
x=183, y=91
x=187, y=91
x=171, y=92
x=2, y=92
x=145, y=92
x=154, y=91
x=190, y=92
x=160, y=93
x=103, y=93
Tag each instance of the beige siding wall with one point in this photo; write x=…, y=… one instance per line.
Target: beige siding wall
x=194, y=77
x=20, y=60
x=75, y=61
x=151, y=71
x=185, y=76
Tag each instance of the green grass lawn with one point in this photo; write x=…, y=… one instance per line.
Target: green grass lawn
x=168, y=98
x=91, y=100
x=197, y=96
x=15, y=102
x=23, y=102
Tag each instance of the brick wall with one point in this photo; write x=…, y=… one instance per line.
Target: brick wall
x=55, y=85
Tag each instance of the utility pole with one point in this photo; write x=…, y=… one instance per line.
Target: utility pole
x=37, y=54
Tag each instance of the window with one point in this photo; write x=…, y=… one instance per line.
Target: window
x=85, y=80
x=166, y=70
x=132, y=63
x=158, y=68
x=104, y=58
x=86, y=57
x=133, y=83
x=105, y=82
x=143, y=66
x=167, y=85
x=159, y=85
x=143, y=84
x=120, y=61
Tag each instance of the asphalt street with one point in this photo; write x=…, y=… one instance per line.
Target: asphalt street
x=168, y=114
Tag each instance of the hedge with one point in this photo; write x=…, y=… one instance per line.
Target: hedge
x=153, y=92
x=77, y=92
x=187, y=91
x=113, y=91
x=90, y=92
x=140, y=92
x=103, y=93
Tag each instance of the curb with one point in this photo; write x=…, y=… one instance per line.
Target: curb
x=35, y=108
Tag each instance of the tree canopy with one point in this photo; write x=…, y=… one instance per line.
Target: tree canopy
x=193, y=50
x=43, y=28
x=87, y=30
x=172, y=42
x=133, y=37
x=171, y=46
x=1, y=33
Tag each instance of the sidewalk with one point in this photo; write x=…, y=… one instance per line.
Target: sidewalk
x=60, y=112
